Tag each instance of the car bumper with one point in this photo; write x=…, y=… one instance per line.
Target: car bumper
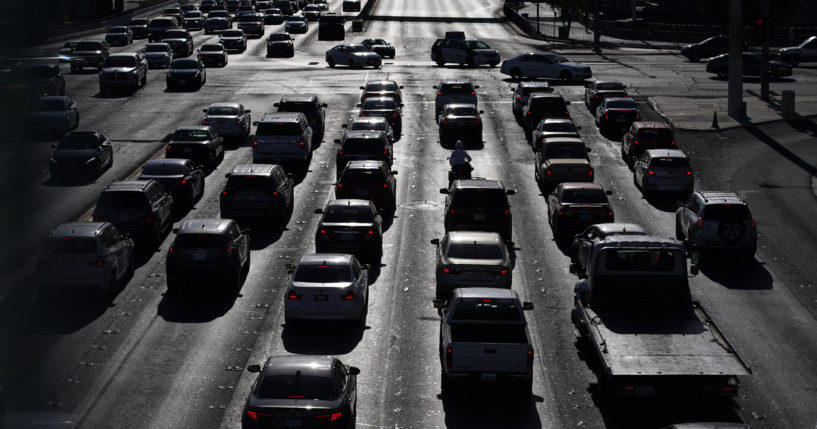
x=447, y=283
x=205, y=272
x=348, y=310
x=258, y=157
x=234, y=211
x=653, y=184
x=119, y=83
x=480, y=378
x=159, y=63
x=280, y=50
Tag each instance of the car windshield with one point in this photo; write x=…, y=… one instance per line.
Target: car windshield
x=363, y=176
x=528, y=90
x=486, y=309
x=352, y=214
x=565, y=127
x=621, y=104
x=366, y=126
x=193, y=14
x=78, y=141
x=200, y=241
x=118, y=30
x=474, y=251
x=640, y=260
x=565, y=151
x=70, y=246
x=49, y=105
x=471, y=198
x=462, y=111
x=120, y=62
x=296, y=387
x=381, y=86
x=185, y=64
x=36, y=72
x=584, y=196
x=222, y=111
x=278, y=129
x=379, y=104
x=456, y=89
x=477, y=44
x=357, y=48
x=323, y=274
x=726, y=212
x=88, y=46
x=651, y=135
x=250, y=183
x=121, y=200
x=610, y=86
x=190, y=135
x=138, y=21
x=556, y=58
x=211, y=48
x=669, y=162
x=232, y=33
x=295, y=19
x=163, y=169
x=363, y=145
x=156, y=48
x=280, y=36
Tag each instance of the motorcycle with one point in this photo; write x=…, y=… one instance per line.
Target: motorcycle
x=460, y=172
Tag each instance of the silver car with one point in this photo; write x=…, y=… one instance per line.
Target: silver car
x=327, y=286
x=371, y=123
x=357, y=56
x=53, y=114
x=228, y=119
x=471, y=259
x=663, y=170
x=158, y=55
x=91, y=255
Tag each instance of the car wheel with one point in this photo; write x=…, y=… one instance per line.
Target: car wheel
x=516, y=74
x=723, y=73
x=113, y=285
x=793, y=60
x=679, y=232
x=144, y=80
x=694, y=57
x=565, y=76
x=440, y=63
x=471, y=62
x=331, y=63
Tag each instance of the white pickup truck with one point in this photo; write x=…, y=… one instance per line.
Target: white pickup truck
x=484, y=339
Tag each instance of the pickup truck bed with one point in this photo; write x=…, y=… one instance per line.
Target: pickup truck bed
x=500, y=334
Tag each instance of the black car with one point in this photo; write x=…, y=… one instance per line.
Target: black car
x=198, y=143
x=157, y=27
x=139, y=27
x=186, y=72
x=350, y=226
x=119, y=35
x=617, y=113
x=252, y=24
x=540, y=106
x=381, y=88
x=596, y=91
x=193, y=20
x=752, y=66
x=182, y=178
x=213, y=54
x=478, y=205
x=217, y=20
x=549, y=128
x=385, y=107
x=273, y=17
x=573, y=206
x=42, y=79
x=302, y=391
x=141, y=208
x=460, y=122
x=89, y=53
x=207, y=251
x=363, y=145
x=280, y=44
x=311, y=106
x=370, y=180
x=233, y=40
x=379, y=46
x=258, y=191
x=80, y=152
x=706, y=48
x=180, y=40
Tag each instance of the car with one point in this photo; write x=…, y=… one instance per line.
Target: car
x=262, y=5
x=119, y=35
x=717, y=221
x=228, y=120
x=193, y=20
x=474, y=53
x=183, y=179
x=198, y=143
x=80, y=152
x=280, y=44
x=308, y=104
x=283, y=137
x=451, y=91
x=233, y=40
x=806, y=51
x=372, y=123
x=55, y=114
x=471, y=259
x=273, y=16
x=542, y=105
x=139, y=27
x=244, y=9
x=186, y=72
x=89, y=53
x=217, y=20
x=663, y=170
x=211, y=54
x=42, y=79
x=617, y=113
x=545, y=65
x=552, y=127
x=371, y=180
x=584, y=243
x=219, y=8
x=296, y=24
x=288, y=388
x=384, y=107
x=562, y=159
x=362, y=145
x=185, y=8
x=327, y=286
x=573, y=206
x=157, y=26
x=596, y=91
x=141, y=208
x=287, y=7
x=356, y=56
x=174, y=12
x=312, y=12
x=350, y=226
x=643, y=135
x=381, y=88
x=323, y=4
x=258, y=191
x=66, y=50
x=207, y=251
x=380, y=47
x=232, y=5
x=158, y=55
x=207, y=5
x=707, y=48
x=460, y=122
x=478, y=204
x=252, y=24
x=180, y=40
x=129, y=70
x=351, y=5
x=92, y=255
x=752, y=66
x=522, y=91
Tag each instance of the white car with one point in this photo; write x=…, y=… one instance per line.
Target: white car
x=357, y=56
x=546, y=65
x=327, y=286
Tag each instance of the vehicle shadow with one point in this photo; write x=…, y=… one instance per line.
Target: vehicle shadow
x=322, y=337
x=666, y=201
x=779, y=148
x=193, y=306
x=497, y=409
x=735, y=273
x=64, y=313
x=635, y=413
x=263, y=234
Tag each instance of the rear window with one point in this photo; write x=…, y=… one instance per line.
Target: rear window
x=621, y=104
x=200, y=241
x=190, y=135
x=297, y=106
x=70, y=246
x=279, y=36
x=359, y=145
x=163, y=169
x=640, y=260
x=78, y=141
x=138, y=21
x=156, y=48
x=610, y=86
x=118, y=30
x=89, y=46
x=254, y=183
x=120, y=62
x=323, y=274
x=353, y=214
x=381, y=86
x=477, y=44
x=49, y=105
x=185, y=64
x=212, y=48
x=487, y=309
x=474, y=251
x=462, y=111
x=550, y=105
x=122, y=200
x=655, y=134
x=161, y=22
x=566, y=127
x=222, y=111
x=368, y=126
x=726, y=211
x=584, y=196
x=362, y=176
x=232, y=33
x=296, y=387
x=457, y=89
x=528, y=90
x=175, y=34
x=38, y=72
x=250, y=18
x=565, y=151
x=480, y=198
x=669, y=162
x=374, y=104
x=278, y=129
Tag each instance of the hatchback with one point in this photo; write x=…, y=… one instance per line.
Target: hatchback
x=327, y=286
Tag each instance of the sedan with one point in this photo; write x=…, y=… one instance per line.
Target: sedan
x=119, y=35
x=66, y=50
x=81, y=152
x=471, y=259
x=213, y=54
x=579, y=251
x=706, y=48
x=182, y=178
x=381, y=88
x=193, y=20
x=180, y=40
x=301, y=391
x=357, y=56
x=158, y=55
x=371, y=124
x=351, y=226
x=312, y=12
x=552, y=127
x=228, y=119
x=574, y=206
x=327, y=286
x=186, y=72
x=663, y=170
x=273, y=17
x=596, y=91
x=217, y=21
x=752, y=66
x=280, y=44
x=618, y=113
x=233, y=40
x=296, y=24
x=198, y=143
x=460, y=122
x=52, y=114
x=379, y=46
x=384, y=107
x=545, y=65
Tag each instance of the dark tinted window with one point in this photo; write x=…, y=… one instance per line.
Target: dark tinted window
x=462, y=111
x=726, y=211
x=297, y=106
x=120, y=62
x=669, y=162
x=323, y=274
x=78, y=141
x=474, y=251
x=610, y=86
x=360, y=145
x=365, y=126
x=477, y=44
x=527, y=90
x=162, y=22
x=200, y=241
x=621, y=104
x=356, y=214
x=563, y=151
x=38, y=72
x=232, y=33
x=250, y=18
x=379, y=103
x=486, y=309
x=175, y=34
x=185, y=64
x=381, y=86
x=212, y=48
x=640, y=260
x=456, y=89
x=88, y=46
x=655, y=134
x=550, y=105
x=566, y=127
x=118, y=30
x=223, y=111
x=122, y=200
x=480, y=198
x=279, y=36
x=584, y=196
x=362, y=176
x=278, y=129
x=296, y=387
x=70, y=246
x=190, y=135
x=161, y=169
x=254, y=183
x=138, y=21
x=156, y=48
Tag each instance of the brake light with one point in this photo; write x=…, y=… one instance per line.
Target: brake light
x=223, y=192
x=331, y=417
x=530, y=358
x=567, y=113
x=171, y=250
x=349, y=296
x=204, y=121
x=239, y=122
x=700, y=221
x=149, y=219
x=635, y=141
x=447, y=270
x=254, y=414
x=168, y=148
x=590, y=172
x=596, y=96
x=452, y=212
x=385, y=185
x=340, y=185
x=673, y=142
x=651, y=173
x=99, y=262
x=689, y=172
x=507, y=212
x=362, y=114
x=528, y=112
x=477, y=121
x=274, y=192
x=473, y=93
x=183, y=181
x=394, y=115
x=503, y=272
x=293, y=295
x=549, y=172
x=559, y=212
x=637, y=115
x=228, y=250
x=606, y=115
x=449, y=356
x=754, y=224
x=302, y=144
x=610, y=213
x=439, y=93
x=371, y=232
x=445, y=121
x=519, y=98
x=340, y=152
x=255, y=144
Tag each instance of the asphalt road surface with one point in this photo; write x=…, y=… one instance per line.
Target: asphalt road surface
x=145, y=360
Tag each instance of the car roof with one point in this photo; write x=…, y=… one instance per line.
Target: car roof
x=123, y=55
x=546, y=95
x=204, y=226
x=253, y=169
x=225, y=104
x=195, y=128
x=326, y=259
x=348, y=202
x=666, y=153
x=364, y=134
x=127, y=185
x=722, y=197
x=485, y=292
x=650, y=124
x=453, y=105
x=479, y=183
x=534, y=84
x=168, y=161
x=574, y=140
x=481, y=237
x=557, y=120
x=370, y=119
x=281, y=117
x=616, y=227
x=299, y=97
x=581, y=185
x=306, y=365
x=364, y=165
x=78, y=229
x=639, y=241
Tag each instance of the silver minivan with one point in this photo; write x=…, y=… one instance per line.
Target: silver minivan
x=282, y=137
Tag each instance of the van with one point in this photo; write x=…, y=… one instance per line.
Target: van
x=282, y=137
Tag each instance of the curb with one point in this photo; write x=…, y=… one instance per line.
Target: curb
x=677, y=126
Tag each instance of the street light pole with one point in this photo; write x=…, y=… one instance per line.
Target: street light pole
x=764, y=53
x=735, y=60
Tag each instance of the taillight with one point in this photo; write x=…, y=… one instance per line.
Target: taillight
x=507, y=212
x=324, y=234
x=519, y=98
x=637, y=115
x=530, y=359
x=635, y=141
x=590, y=172
x=700, y=221
x=559, y=212
x=606, y=115
x=239, y=122
x=567, y=113
x=254, y=414
x=168, y=148
x=340, y=152
x=610, y=213
x=529, y=113
x=385, y=152
x=385, y=185
x=274, y=193
x=255, y=144
x=362, y=115
x=549, y=172
x=689, y=172
x=204, y=121
x=349, y=296
x=449, y=356
x=331, y=417
x=596, y=96
x=171, y=250
x=477, y=121
x=302, y=144
x=446, y=270
x=754, y=224
x=371, y=232
x=394, y=115
x=228, y=250
x=99, y=262
x=673, y=142
x=439, y=93
x=503, y=272
x=223, y=192
x=340, y=185
x=451, y=212
x=183, y=181
x=293, y=295
x=445, y=121
x=651, y=173
x=149, y=219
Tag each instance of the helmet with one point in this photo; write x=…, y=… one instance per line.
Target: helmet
x=458, y=144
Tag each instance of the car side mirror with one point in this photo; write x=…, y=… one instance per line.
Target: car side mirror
x=435, y=241
x=567, y=102
x=579, y=127
x=345, y=126
x=527, y=306
x=476, y=86
x=290, y=268
x=354, y=370
x=337, y=141
x=324, y=105
x=481, y=112
x=248, y=111
x=394, y=172
x=439, y=303
x=435, y=86
x=275, y=104
x=401, y=104
x=608, y=192
x=255, y=123
x=444, y=190
x=175, y=230
x=204, y=110
x=362, y=87
x=510, y=192
x=587, y=149
x=401, y=86
x=513, y=89
x=318, y=211
x=367, y=266
x=228, y=175
x=359, y=105
x=254, y=368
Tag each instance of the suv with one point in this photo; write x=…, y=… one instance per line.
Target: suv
x=363, y=145
x=258, y=190
x=142, y=208
x=309, y=105
x=462, y=51
x=717, y=221
x=123, y=70
x=89, y=53
x=180, y=40
x=543, y=106
x=351, y=226
x=451, y=91
x=370, y=180
x=282, y=137
x=573, y=206
x=205, y=250
x=523, y=91
x=645, y=135
x=478, y=205
x=158, y=26
x=251, y=24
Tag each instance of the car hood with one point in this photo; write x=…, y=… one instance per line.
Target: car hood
x=118, y=70
x=573, y=65
x=73, y=154
x=366, y=54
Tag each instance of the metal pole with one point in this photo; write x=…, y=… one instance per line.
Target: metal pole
x=764, y=53
x=735, y=60
x=596, y=35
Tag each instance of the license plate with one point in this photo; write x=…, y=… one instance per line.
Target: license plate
x=246, y=197
x=188, y=149
x=461, y=125
x=584, y=216
x=182, y=81
x=293, y=423
x=480, y=217
x=363, y=192
x=488, y=377
x=199, y=256
x=346, y=236
x=321, y=298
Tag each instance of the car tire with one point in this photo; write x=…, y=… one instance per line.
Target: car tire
x=793, y=60
x=331, y=63
x=440, y=63
x=694, y=57
x=516, y=74
x=113, y=285
x=731, y=231
x=722, y=73
x=471, y=62
x=144, y=80
x=679, y=232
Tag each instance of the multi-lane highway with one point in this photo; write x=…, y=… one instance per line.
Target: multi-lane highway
x=146, y=360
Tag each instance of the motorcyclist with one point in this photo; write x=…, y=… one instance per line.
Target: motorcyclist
x=460, y=160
